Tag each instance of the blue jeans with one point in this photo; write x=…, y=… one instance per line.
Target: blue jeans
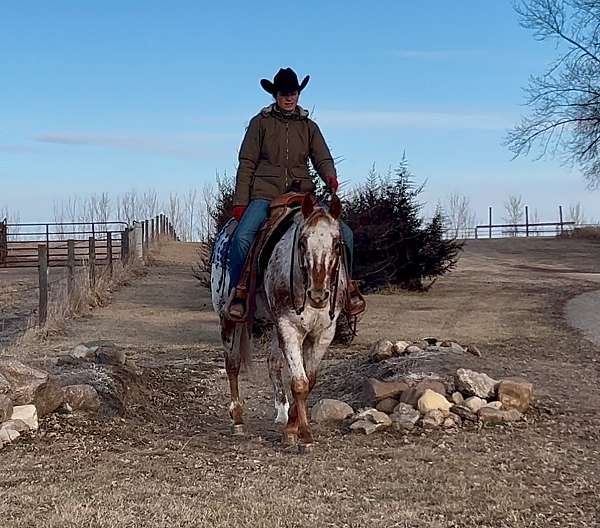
x=254, y=217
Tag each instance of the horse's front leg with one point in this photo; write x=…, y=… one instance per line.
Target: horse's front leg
x=290, y=341
x=315, y=348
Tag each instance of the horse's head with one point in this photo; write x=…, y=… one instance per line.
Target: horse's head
x=320, y=249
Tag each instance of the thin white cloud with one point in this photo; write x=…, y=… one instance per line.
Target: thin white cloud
x=436, y=54
x=432, y=120
x=185, y=145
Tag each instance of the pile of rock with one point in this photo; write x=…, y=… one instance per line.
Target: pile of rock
x=28, y=393
x=465, y=398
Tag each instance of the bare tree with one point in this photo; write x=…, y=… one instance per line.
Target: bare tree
x=190, y=200
x=173, y=211
x=149, y=204
x=514, y=209
x=576, y=214
x=565, y=99
x=535, y=219
x=459, y=215
x=128, y=207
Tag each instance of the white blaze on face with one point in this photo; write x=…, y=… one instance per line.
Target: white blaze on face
x=320, y=255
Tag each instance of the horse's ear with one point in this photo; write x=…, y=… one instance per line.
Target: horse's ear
x=335, y=208
x=308, y=205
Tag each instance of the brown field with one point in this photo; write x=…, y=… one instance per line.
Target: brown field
x=171, y=462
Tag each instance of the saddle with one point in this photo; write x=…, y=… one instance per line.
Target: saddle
x=282, y=211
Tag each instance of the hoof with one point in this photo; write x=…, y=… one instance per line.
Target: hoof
x=238, y=430
x=289, y=439
x=305, y=449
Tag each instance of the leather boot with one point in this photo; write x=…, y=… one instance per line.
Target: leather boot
x=236, y=308
x=356, y=303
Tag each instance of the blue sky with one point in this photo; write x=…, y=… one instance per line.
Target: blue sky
x=109, y=96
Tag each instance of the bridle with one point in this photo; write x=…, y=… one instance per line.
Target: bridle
x=336, y=273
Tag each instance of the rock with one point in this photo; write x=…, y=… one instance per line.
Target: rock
x=458, y=398
x=515, y=393
x=326, y=410
x=48, y=398
x=493, y=405
x=433, y=341
x=6, y=407
x=366, y=426
x=8, y=435
x=474, y=403
x=374, y=416
x=24, y=380
x=464, y=412
x=4, y=385
x=387, y=406
x=376, y=390
x=27, y=413
x=400, y=347
x=412, y=395
x=457, y=420
x=413, y=349
x=490, y=416
x=432, y=401
x=381, y=350
x=472, y=349
x=475, y=383
x=82, y=351
x=85, y=398
x=433, y=419
x=404, y=417
x=453, y=346
x=110, y=354
x=16, y=425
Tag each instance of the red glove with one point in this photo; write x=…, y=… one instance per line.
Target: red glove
x=238, y=212
x=332, y=183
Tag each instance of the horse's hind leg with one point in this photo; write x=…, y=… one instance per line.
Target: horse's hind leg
x=233, y=340
x=275, y=373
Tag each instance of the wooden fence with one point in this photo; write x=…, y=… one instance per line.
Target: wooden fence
x=76, y=244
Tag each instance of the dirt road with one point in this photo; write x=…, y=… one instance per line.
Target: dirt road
x=171, y=462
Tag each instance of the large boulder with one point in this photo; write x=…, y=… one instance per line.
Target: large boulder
x=387, y=406
x=474, y=403
x=24, y=380
x=6, y=407
x=412, y=395
x=84, y=397
x=328, y=410
x=375, y=390
x=475, y=383
x=8, y=435
x=515, y=393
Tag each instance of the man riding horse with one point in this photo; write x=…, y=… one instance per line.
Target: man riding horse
x=273, y=160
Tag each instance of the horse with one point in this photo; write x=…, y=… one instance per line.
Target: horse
x=302, y=295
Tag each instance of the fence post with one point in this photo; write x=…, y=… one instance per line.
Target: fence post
x=109, y=254
x=136, y=241
x=152, y=230
x=526, y=221
x=43, y=283
x=124, y=245
x=92, y=262
x=560, y=212
x=47, y=244
x=490, y=222
x=70, y=267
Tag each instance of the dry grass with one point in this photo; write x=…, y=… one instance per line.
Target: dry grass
x=584, y=233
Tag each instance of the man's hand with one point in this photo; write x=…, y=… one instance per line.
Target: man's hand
x=332, y=183
x=238, y=212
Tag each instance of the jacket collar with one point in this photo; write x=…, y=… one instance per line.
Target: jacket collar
x=273, y=110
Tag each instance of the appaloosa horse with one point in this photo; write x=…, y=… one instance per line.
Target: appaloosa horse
x=302, y=294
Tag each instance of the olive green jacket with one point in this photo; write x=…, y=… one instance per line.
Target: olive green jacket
x=275, y=152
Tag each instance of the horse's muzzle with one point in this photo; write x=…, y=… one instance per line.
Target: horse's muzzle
x=318, y=298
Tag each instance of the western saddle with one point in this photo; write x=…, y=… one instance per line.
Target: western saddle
x=241, y=304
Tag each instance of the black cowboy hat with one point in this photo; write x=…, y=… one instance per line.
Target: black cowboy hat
x=285, y=81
